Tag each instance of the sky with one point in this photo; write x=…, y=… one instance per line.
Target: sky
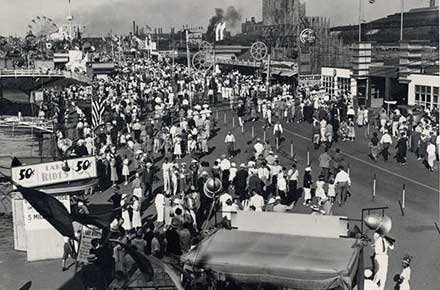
x=102, y=16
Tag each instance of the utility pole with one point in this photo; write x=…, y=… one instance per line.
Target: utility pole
x=188, y=57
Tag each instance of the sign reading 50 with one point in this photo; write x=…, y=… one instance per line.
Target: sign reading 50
x=26, y=173
x=82, y=165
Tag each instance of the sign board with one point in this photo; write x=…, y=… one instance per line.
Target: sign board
x=54, y=172
x=87, y=235
x=195, y=37
x=167, y=53
x=42, y=240
x=309, y=80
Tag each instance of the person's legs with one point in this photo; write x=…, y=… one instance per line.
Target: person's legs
x=382, y=268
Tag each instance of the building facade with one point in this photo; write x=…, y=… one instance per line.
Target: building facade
x=338, y=81
x=423, y=90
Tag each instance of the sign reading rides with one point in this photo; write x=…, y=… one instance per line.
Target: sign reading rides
x=54, y=172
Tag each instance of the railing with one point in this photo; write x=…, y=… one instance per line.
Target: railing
x=30, y=73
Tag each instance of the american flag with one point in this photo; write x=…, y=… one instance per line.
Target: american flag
x=98, y=109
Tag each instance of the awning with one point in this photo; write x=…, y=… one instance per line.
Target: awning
x=288, y=74
x=288, y=261
x=69, y=187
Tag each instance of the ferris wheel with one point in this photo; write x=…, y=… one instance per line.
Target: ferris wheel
x=42, y=26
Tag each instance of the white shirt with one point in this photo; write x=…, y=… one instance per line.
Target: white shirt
x=224, y=197
x=386, y=138
x=281, y=182
x=257, y=201
x=342, y=176
x=293, y=175
x=259, y=148
x=230, y=138
x=166, y=168
x=381, y=245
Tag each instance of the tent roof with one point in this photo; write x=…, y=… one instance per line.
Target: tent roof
x=285, y=260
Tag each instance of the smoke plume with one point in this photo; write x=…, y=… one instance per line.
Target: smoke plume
x=232, y=17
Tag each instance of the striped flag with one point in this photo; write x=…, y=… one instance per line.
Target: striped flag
x=98, y=109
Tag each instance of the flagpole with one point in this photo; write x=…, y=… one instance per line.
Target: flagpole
x=402, y=8
x=360, y=20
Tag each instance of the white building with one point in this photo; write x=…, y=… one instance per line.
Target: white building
x=338, y=81
x=423, y=90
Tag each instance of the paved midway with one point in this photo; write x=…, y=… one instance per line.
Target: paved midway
x=414, y=233
x=370, y=164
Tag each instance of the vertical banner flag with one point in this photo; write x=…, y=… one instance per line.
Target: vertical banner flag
x=98, y=109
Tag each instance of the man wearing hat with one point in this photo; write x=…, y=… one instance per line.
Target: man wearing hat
x=381, y=247
x=240, y=181
x=148, y=178
x=385, y=141
x=230, y=141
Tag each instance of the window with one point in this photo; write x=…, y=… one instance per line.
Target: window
x=423, y=96
x=328, y=84
x=435, y=101
x=344, y=85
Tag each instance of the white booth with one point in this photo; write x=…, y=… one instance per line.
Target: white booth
x=32, y=233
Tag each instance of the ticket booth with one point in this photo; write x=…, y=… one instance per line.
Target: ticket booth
x=32, y=233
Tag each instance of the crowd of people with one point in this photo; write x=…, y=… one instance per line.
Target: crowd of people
x=156, y=115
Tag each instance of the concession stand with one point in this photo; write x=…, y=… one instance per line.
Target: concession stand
x=32, y=233
x=297, y=260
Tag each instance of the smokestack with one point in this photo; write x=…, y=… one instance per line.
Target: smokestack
x=134, y=27
x=137, y=30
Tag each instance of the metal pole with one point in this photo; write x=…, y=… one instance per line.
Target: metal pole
x=224, y=119
x=291, y=149
x=402, y=8
x=374, y=186
x=360, y=20
x=216, y=115
x=403, y=195
x=308, y=156
x=253, y=133
x=268, y=76
x=188, y=57
x=264, y=135
x=233, y=122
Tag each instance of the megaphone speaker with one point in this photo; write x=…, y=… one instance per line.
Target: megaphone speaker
x=380, y=224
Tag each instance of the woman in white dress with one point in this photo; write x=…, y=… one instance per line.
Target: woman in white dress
x=159, y=202
x=137, y=217
x=125, y=212
x=320, y=192
x=404, y=278
x=177, y=148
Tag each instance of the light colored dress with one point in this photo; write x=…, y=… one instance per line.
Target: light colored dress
x=125, y=215
x=320, y=192
x=406, y=275
x=125, y=169
x=159, y=202
x=331, y=190
x=137, y=219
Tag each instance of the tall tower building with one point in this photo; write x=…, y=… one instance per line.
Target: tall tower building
x=277, y=12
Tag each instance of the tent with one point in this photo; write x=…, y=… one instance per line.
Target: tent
x=289, y=261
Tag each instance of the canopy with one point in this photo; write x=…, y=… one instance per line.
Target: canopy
x=297, y=262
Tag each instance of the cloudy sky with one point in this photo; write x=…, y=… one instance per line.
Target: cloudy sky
x=101, y=16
